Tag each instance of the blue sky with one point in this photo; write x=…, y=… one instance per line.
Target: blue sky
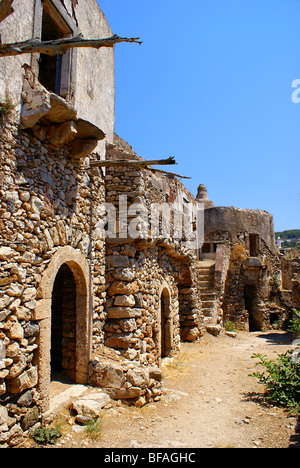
x=212, y=86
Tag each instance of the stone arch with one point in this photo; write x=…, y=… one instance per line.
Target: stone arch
x=165, y=321
x=79, y=266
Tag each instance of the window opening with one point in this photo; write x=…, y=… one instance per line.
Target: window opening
x=50, y=65
x=253, y=245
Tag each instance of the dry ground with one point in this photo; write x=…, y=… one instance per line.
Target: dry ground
x=210, y=402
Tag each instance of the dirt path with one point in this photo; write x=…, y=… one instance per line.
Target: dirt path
x=207, y=402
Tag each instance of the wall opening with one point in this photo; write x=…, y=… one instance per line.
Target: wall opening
x=50, y=66
x=250, y=295
x=64, y=313
x=63, y=324
x=165, y=324
x=253, y=245
x=55, y=72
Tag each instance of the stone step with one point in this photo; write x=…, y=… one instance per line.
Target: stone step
x=207, y=312
x=60, y=401
x=206, y=284
x=208, y=304
x=209, y=295
x=205, y=273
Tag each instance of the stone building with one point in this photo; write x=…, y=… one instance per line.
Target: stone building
x=73, y=299
x=240, y=251
x=102, y=268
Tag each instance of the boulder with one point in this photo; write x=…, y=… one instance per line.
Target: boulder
x=60, y=110
x=82, y=148
x=214, y=330
x=124, y=393
x=90, y=405
x=108, y=375
x=59, y=135
x=138, y=377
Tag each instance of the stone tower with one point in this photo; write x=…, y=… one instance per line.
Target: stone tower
x=203, y=198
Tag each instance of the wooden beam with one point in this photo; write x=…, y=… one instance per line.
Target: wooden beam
x=6, y=9
x=169, y=174
x=141, y=165
x=60, y=46
x=133, y=163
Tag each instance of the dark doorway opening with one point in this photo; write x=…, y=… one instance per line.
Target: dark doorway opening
x=163, y=326
x=50, y=66
x=166, y=337
x=63, y=324
x=250, y=305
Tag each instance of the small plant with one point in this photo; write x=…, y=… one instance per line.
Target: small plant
x=276, y=282
x=230, y=326
x=295, y=327
x=281, y=380
x=239, y=254
x=94, y=428
x=46, y=435
x=6, y=106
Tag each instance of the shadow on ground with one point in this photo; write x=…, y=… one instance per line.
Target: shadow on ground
x=277, y=338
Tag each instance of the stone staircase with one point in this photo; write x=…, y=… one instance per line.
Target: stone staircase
x=205, y=273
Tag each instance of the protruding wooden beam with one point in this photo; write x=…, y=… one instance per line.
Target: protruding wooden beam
x=6, y=9
x=141, y=165
x=60, y=46
x=128, y=162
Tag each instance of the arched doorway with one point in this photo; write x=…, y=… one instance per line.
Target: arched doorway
x=64, y=313
x=166, y=332
x=63, y=324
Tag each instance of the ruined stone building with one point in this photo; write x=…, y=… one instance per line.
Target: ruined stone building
x=104, y=270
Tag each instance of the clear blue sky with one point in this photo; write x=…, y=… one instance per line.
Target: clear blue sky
x=212, y=85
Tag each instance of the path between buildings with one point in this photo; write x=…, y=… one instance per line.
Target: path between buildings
x=207, y=404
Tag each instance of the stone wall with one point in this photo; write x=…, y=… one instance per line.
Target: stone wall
x=48, y=203
x=233, y=222
x=142, y=270
x=252, y=296
x=296, y=283
x=126, y=380
x=92, y=85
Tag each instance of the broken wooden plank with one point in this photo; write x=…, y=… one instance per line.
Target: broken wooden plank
x=128, y=162
x=141, y=165
x=5, y=9
x=60, y=46
x=170, y=174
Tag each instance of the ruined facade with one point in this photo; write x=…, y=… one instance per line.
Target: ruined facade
x=102, y=269
x=245, y=265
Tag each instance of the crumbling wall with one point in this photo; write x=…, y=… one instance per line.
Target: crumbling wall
x=144, y=261
x=237, y=222
x=133, y=303
x=296, y=283
x=268, y=307
x=47, y=204
x=93, y=87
